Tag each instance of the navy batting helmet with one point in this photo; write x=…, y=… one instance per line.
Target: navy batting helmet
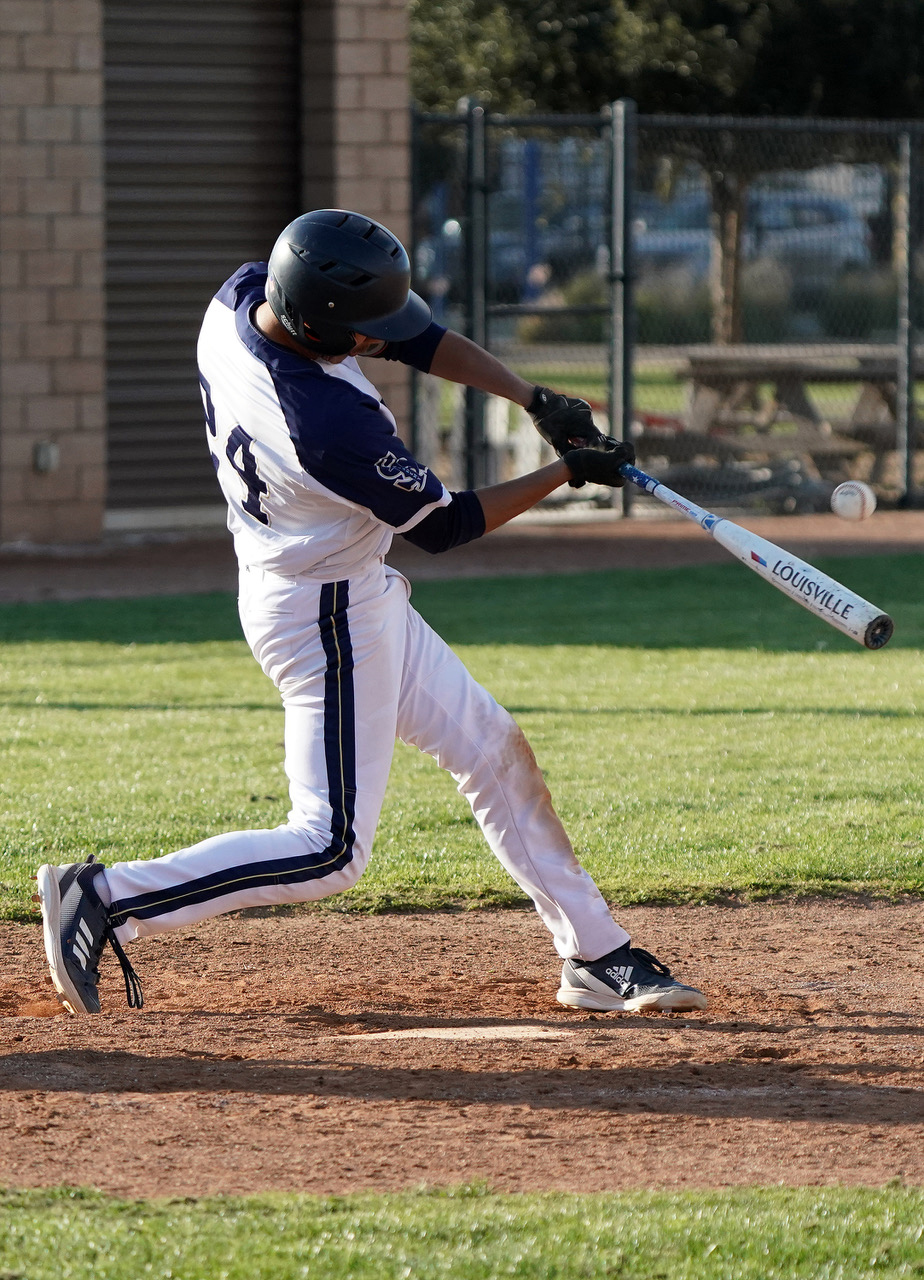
x=333, y=274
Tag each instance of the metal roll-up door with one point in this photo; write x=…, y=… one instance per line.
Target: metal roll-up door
x=202, y=174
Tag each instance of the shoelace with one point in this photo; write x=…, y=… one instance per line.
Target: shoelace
x=645, y=958
x=133, y=993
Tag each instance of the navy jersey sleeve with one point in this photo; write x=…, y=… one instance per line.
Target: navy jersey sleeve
x=448, y=527
x=345, y=443
x=417, y=352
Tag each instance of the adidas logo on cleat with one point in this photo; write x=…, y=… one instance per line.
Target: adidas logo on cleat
x=82, y=938
x=621, y=975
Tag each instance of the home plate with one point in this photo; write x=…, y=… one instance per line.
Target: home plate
x=466, y=1033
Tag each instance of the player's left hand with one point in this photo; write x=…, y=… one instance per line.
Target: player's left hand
x=565, y=422
x=599, y=465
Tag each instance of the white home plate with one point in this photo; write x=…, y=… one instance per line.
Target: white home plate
x=466, y=1033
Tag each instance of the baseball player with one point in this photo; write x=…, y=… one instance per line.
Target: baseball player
x=318, y=483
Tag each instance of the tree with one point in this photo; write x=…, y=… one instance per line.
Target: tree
x=811, y=58
x=836, y=58
x=766, y=58
x=525, y=55
x=463, y=48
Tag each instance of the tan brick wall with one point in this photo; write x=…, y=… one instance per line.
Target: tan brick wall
x=357, y=129
x=51, y=294
x=52, y=227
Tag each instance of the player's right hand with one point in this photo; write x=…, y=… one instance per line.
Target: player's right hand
x=564, y=421
x=600, y=465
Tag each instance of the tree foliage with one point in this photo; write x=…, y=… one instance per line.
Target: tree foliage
x=837, y=58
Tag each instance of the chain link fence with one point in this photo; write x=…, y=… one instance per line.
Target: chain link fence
x=511, y=224
x=773, y=273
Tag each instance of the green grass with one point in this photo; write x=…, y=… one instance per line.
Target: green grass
x=656, y=390
x=663, y=389
x=702, y=736
x=752, y=1234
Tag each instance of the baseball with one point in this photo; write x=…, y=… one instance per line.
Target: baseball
x=853, y=500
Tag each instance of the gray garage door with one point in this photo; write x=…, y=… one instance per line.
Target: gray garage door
x=202, y=174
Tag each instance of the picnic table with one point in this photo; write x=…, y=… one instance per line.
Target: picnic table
x=752, y=403
x=739, y=393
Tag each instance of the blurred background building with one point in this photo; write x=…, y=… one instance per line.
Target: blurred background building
x=147, y=151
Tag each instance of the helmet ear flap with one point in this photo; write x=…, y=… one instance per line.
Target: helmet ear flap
x=282, y=306
x=319, y=340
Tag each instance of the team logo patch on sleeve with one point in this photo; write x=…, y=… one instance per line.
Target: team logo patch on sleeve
x=402, y=472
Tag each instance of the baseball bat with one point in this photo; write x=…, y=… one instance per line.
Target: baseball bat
x=802, y=582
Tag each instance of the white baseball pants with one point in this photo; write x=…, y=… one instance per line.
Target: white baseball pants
x=357, y=666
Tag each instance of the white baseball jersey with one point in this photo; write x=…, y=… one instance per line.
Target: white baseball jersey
x=307, y=454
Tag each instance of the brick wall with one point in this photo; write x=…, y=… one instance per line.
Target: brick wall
x=356, y=130
x=52, y=377
x=52, y=228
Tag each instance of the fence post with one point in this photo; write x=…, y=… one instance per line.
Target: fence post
x=904, y=389
x=620, y=359
x=414, y=421
x=476, y=235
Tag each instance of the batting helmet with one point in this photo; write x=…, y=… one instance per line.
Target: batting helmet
x=333, y=274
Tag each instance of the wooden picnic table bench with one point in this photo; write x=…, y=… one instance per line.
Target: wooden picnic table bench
x=749, y=388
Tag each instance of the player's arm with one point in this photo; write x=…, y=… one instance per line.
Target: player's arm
x=501, y=502
x=564, y=421
x=475, y=512
x=458, y=359
x=478, y=511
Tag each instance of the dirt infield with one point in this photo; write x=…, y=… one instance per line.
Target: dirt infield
x=326, y=1052
x=329, y=1053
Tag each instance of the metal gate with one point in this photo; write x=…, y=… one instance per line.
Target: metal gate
x=201, y=123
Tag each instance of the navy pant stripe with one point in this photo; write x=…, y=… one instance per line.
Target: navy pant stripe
x=339, y=719
x=340, y=759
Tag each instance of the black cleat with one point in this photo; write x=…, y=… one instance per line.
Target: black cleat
x=626, y=979
x=76, y=928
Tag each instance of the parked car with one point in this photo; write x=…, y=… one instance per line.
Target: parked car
x=815, y=236
x=523, y=255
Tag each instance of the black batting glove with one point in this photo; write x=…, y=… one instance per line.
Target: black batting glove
x=599, y=466
x=565, y=422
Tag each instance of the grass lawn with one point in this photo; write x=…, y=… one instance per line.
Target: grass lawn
x=751, y=1234
x=702, y=735
x=656, y=390
x=662, y=389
